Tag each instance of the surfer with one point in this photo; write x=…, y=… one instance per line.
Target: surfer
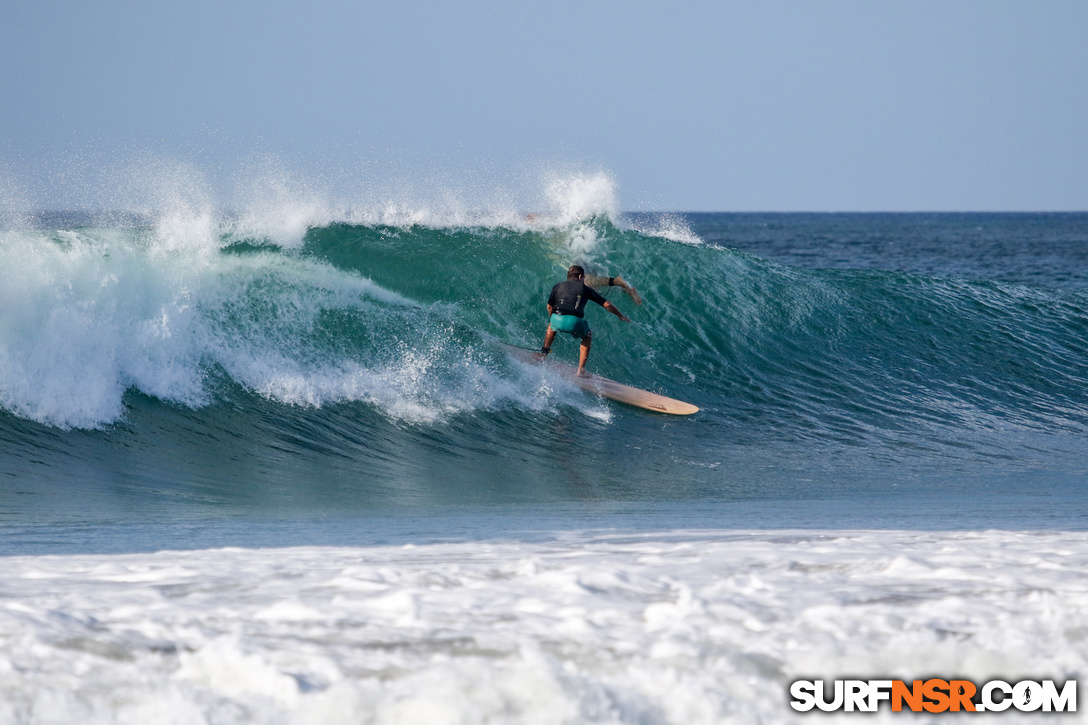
x=566, y=307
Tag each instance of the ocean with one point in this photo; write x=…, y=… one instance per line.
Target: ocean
x=273, y=465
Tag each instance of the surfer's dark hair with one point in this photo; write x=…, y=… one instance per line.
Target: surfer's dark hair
x=575, y=271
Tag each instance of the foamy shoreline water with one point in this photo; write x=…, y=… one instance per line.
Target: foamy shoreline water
x=665, y=627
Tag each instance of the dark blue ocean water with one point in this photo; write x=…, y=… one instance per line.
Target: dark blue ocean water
x=169, y=384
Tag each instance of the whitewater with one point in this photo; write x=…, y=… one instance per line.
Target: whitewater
x=687, y=627
x=270, y=463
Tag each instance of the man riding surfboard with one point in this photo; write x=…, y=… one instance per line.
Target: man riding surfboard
x=566, y=310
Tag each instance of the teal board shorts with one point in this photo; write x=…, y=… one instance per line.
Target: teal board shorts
x=570, y=324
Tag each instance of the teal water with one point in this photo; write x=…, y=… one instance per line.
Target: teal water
x=191, y=372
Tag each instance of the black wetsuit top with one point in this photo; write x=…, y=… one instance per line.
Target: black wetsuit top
x=570, y=297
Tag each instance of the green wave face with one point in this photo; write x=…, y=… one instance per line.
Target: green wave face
x=372, y=350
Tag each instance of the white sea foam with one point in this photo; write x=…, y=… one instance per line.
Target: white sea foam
x=676, y=627
x=566, y=200
x=574, y=198
x=276, y=205
x=668, y=226
x=82, y=319
x=87, y=315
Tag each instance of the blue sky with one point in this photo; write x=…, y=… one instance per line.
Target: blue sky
x=716, y=106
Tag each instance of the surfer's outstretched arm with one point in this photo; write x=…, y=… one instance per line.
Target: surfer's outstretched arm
x=615, y=311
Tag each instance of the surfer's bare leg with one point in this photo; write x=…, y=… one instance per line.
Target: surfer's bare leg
x=631, y=292
x=600, y=283
x=549, y=338
x=583, y=355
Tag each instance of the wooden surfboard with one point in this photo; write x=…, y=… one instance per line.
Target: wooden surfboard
x=607, y=388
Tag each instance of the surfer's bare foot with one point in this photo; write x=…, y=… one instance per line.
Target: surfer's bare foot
x=582, y=373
